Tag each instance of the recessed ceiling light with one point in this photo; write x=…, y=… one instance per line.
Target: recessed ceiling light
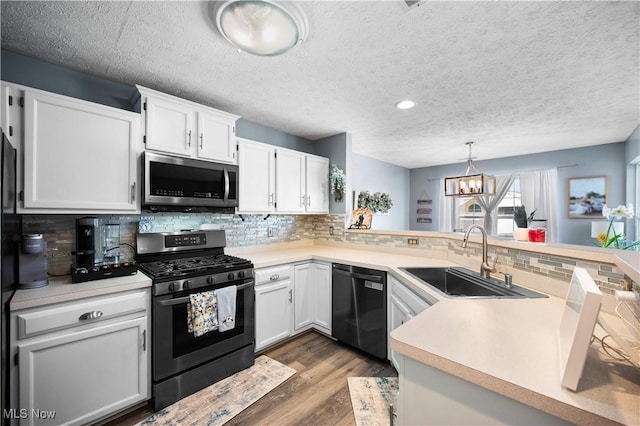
x=406, y=104
x=260, y=27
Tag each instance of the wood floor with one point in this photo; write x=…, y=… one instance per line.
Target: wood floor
x=317, y=394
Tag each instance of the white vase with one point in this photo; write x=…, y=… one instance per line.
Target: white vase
x=521, y=234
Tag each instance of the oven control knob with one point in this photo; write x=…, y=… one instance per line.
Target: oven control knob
x=174, y=286
x=186, y=284
x=241, y=274
x=210, y=280
x=231, y=276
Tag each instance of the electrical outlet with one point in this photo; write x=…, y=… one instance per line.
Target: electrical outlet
x=331, y=230
x=412, y=241
x=269, y=232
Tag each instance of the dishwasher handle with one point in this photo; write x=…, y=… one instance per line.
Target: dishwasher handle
x=374, y=278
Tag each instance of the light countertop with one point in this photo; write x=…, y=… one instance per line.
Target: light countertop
x=505, y=345
x=61, y=289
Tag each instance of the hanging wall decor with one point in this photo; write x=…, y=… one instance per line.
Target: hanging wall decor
x=338, y=183
x=424, y=211
x=587, y=197
x=378, y=202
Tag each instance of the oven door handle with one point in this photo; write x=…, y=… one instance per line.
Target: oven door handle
x=185, y=299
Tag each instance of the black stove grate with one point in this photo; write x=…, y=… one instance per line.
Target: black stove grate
x=190, y=266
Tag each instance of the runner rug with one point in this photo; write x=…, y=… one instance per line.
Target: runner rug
x=220, y=402
x=371, y=398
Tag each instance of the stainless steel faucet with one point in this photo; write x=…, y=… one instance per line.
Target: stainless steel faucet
x=485, y=268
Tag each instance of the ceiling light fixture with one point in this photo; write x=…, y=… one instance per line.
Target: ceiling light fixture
x=261, y=27
x=406, y=104
x=472, y=184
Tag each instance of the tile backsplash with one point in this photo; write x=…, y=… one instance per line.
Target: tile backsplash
x=248, y=230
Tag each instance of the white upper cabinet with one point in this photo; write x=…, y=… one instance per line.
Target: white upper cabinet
x=290, y=181
x=168, y=126
x=79, y=157
x=280, y=180
x=177, y=126
x=257, y=170
x=216, y=137
x=317, y=184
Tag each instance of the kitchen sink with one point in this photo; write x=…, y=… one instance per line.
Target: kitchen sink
x=462, y=282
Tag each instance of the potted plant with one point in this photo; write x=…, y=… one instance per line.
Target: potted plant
x=521, y=233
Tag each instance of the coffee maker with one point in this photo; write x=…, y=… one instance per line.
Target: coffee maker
x=88, y=242
x=97, y=252
x=32, y=262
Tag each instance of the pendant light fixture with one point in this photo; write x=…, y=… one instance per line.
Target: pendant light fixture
x=261, y=27
x=472, y=184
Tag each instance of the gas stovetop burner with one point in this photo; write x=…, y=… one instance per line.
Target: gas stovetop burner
x=187, y=266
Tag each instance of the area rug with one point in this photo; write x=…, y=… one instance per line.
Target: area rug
x=220, y=402
x=371, y=398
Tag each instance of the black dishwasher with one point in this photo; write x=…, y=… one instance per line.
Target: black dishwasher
x=359, y=308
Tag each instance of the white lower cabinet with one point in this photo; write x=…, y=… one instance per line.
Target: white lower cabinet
x=291, y=299
x=312, y=289
x=403, y=304
x=274, y=305
x=82, y=361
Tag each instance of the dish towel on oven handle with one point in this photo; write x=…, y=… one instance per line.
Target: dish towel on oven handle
x=202, y=313
x=226, y=307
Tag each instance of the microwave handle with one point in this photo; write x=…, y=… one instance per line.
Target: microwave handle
x=226, y=184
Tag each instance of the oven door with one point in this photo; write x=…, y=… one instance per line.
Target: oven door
x=176, y=350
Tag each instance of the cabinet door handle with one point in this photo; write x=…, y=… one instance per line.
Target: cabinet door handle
x=90, y=315
x=133, y=192
x=290, y=296
x=201, y=137
x=189, y=139
x=274, y=277
x=144, y=340
x=302, y=201
x=271, y=199
x=309, y=200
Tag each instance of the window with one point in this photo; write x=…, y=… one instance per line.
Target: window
x=470, y=213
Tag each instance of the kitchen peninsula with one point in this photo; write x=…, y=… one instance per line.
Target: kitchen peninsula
x=501, y=347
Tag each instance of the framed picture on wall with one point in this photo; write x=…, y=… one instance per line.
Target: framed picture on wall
x=587, y=197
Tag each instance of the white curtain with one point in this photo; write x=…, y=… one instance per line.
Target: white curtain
x=489, y=203
x=447, y=211
x=539, y=192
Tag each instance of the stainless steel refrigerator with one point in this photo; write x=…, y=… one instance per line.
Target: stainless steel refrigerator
x=10, y=228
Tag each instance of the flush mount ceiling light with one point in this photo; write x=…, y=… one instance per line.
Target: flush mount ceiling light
x=406, y=104
x=472, y=184
x=261, y=27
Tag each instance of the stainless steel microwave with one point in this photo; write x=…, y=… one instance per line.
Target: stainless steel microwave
x=184, y=184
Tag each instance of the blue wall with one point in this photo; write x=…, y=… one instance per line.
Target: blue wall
x=600, y=160
x=338, y=149
x=632, y=161
x=31, y=72
x=377, y=176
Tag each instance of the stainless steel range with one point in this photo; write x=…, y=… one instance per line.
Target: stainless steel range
x=181, y=264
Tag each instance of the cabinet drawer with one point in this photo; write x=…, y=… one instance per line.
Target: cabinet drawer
x=276, y=273
x=86, y=311
x=412, y=300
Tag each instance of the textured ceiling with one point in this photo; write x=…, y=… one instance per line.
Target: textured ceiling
x=515, y=77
